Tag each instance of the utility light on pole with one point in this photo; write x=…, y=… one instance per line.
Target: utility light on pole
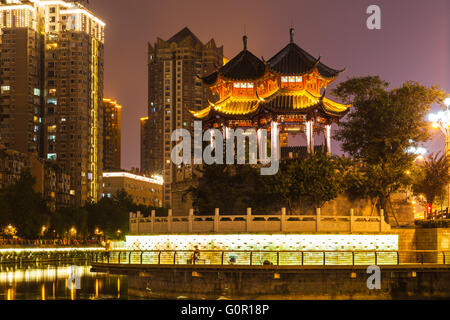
x=441, y=120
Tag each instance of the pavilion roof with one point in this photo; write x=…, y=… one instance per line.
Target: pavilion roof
x=281, y=102
x=243, y=67
x=293, y=60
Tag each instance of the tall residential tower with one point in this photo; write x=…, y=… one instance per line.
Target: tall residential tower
x=173, y=84
x=52, y=87
x=112, y=116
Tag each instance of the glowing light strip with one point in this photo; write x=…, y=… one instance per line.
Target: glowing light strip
x=17, y=7
x=373, y=242
x=18, y=250
x=83, y=11
x=155, y=180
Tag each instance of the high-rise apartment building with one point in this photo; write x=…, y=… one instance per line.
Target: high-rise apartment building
x=21, y=75
x=112, y=115
x=144, y=143
x=173, y=69
x=52, y=87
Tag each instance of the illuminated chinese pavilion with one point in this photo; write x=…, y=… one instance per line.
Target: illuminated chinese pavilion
x=284, y=91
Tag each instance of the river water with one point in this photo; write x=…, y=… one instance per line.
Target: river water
x=59, y=282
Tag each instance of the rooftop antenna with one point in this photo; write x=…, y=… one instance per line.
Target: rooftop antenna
x=244, y=38
x=291, y=31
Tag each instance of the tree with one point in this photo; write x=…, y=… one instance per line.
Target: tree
x=381, y=126
x=66, y=218
x=432, y=177
x=311, y=181
x=111, y=214
x=232, y=189
x=24, y=208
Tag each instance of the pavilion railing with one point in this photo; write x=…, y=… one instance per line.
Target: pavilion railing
x=274, y=258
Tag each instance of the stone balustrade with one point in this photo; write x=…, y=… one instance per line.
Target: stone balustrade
x=277, y=223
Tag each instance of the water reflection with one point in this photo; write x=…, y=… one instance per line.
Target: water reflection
x=56, y=282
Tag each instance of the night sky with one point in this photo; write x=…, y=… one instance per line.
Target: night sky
x=413, y=44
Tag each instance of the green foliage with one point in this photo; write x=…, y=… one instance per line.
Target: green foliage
x=23, y=207
x=308, y=182
x=381, y=126
x=232, y=188
x=26, y=210
x=432, y=177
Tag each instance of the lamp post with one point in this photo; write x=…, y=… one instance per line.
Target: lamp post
x=441, y=120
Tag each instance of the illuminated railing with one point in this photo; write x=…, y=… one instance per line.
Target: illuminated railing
x=44, y=255
x=255, y=223
x=274, y=258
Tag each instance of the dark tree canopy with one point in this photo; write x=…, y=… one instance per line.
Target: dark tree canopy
x=381, y=126
x=432, y=177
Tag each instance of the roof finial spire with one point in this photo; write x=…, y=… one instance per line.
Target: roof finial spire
x=244, y=38
x=291, y=33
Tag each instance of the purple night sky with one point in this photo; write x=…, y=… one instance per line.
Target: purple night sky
x=413, y=44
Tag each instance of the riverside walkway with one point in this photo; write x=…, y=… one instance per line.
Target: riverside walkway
x=251, y=258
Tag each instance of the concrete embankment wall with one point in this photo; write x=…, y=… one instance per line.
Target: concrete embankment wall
x=339, y=283
x=423, y=239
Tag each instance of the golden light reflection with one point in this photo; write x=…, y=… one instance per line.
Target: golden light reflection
x=73, y=292
x=10, y=294
x=96, y=288
x=118, y=288
x=43, y=291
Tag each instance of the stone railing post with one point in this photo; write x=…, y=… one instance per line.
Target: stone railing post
x=152, y=223
x=283, y=219
x=317, y=219
x=249, y=219
x=352, y=212
x=381, y=219
x=130, y=223
x=190, y=219
x=169, y=220
x=138, y=221
x=216, y=220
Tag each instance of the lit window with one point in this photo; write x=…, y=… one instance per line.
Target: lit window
x=291, y=79
x=5, y=88
x=52, y=101
x=243, y=85
x=72, y=192
x=52, y=91
x=37, y=92
x=51, y=156
x=52, y=138
x=51, y=129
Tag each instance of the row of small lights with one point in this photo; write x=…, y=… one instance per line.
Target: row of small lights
x=11, y=228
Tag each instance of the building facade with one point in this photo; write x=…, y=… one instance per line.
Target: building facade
x=21, y=51
x=173, y=84
x=144, y=190
x=52, y=86
x=12, y=163
x=112, y=117
x=144, y=145
x=52, y=179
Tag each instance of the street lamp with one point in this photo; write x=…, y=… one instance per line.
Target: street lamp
x=441, y=120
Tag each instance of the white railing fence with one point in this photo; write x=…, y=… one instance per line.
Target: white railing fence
x=255, y=223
